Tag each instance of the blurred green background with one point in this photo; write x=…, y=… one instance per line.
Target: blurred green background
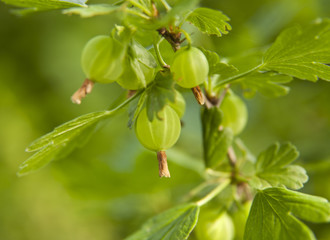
x=108, y=188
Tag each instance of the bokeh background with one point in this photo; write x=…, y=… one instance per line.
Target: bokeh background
x=108, y=188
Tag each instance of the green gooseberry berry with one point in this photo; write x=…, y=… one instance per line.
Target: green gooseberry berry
x=179, y=104
x=240, y=217
x=102, y=59
x=235, y=113
x=190, y=67
x=214, y=226
x=161, y=133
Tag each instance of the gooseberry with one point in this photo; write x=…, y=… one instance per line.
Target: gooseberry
x=189, y=67
x=214, y=226
x=102, y=59
x=160, y=133
x=240, y=217
x=234, y=112
x=179, y=104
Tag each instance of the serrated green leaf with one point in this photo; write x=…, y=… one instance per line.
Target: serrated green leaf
x=272, y=168
x=223, y=70
x=216, y=66
x=176, y=223
x=135, y=109
x=92, y=10
x=302, y=52
x=268, y=84
x=63, y=139
x=212, y=57
x=159, y=93
x=174, y=16
x=66, y=130
x=216, y=141
x=143, y=55
x=30, y=6
x=210, y=21
x=274, y=212
x=178, y=12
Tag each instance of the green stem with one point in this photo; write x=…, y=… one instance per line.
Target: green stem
x=127, y=101
x=218, y=174
x=233, y=78
x=166, y=5
x=140, y=6
x=213, y=193
x=187, y=37
x=158, y=54
x=137, y=14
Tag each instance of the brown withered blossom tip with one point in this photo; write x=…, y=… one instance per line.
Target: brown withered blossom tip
x=198, y=95
x=85, y=89
x=162, y=164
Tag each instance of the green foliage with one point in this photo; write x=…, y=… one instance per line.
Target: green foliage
x=268, y=84
x=39, y=5
x=273, y=168
x=275, y=212
x=302, y=53
x=159, y=93
x=176, y=223
x=216, y=141
x=64, y=139
x=210, y=21
x=216, y=66
x=92, y=10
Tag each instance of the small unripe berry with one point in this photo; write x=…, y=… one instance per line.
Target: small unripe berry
x=212, y=226
x=179, y=104
x=159, y=134
x=102, y=59
x=240, y=217
x=235, y=113
x=189, y=67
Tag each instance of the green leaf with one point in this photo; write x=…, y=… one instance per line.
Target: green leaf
x=272, y=168
x=302, y=52
x=142, y=55
x=63, y=139
x=216, y=142
x=210, y=21
x=92, y=10
x=274, y=211
x=135, y=108
x=176, y=223
x=159, y=93
x=268, y=84
x=41, y=5
x=216, y=66
x=178, y=12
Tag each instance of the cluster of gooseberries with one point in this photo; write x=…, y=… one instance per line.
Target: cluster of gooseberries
x=105, y=59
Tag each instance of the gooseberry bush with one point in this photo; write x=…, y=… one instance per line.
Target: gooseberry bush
x=242, y=196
